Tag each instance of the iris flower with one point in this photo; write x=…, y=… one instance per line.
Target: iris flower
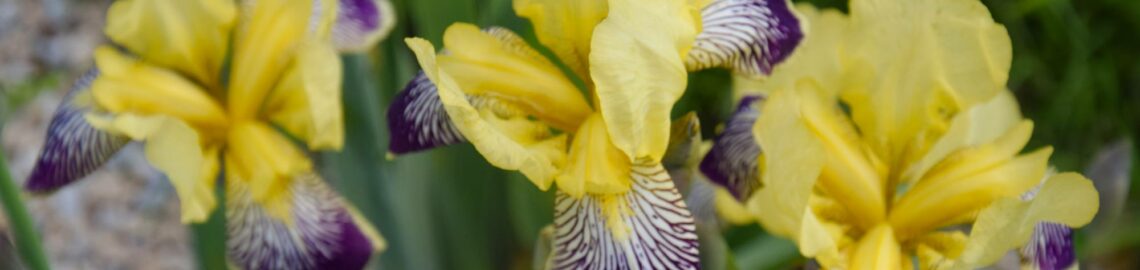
x=889, y=141
x=224, y=92
x=616, y=207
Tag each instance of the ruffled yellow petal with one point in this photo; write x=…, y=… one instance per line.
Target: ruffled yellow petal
x=502, y=65
x=878, y=249
x=307, y=101
x=539, y=158
x=850, y=174
x=188, y=36
x=594, y=166
x=267, y=45
x=918, y=63
x=969, y=180
x=175, y=149
x=637, y=66
x=781, y=205
x=981, y=124
x=126, y=85
x=565, y=27
x=260, y=156
x=937, y=250
x=1066, y=198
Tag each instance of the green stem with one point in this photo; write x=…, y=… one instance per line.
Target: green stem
x=25, y=235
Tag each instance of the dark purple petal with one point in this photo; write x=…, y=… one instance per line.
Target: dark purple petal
x=322, y=235
x=661, y=231
x=72, y=147
x=749, y=36
x=1051, y=247
x=732, y=161
x=417, y=120
x=360, y=23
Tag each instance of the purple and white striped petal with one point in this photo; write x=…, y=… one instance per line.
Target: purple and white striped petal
x=72, y=148
x=748, y=36
x=733, y=160
x=360, y=23
x=661, y=231
x=1051, y=247
x=321, y=234
x=417, y=120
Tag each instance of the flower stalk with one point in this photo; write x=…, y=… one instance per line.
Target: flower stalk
x=23, y=232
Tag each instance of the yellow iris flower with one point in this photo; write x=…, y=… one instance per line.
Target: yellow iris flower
x=221, y=87
x=602, y=146
x=891, y=130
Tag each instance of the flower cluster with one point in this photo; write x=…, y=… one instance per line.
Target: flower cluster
x=218, y=90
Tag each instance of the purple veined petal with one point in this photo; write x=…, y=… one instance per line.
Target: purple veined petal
x=322, y=234
x=749, y=36
x=732, y=162
x=361, y=23
x=417, y=120
x=662, y=233
x=72, y=147
x=1051, y=247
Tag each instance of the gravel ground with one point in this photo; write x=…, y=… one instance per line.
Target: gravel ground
x=123, y=216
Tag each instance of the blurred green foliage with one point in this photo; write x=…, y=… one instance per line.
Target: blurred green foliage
x=1076, y=72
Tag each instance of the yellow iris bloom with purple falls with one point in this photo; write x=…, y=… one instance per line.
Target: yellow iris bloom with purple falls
x=889, y=141
x=602, y=146
x=218, y=91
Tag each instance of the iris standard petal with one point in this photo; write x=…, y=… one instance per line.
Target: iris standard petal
x=265, y=46
x=191, y=37
x=748, y=36
x=320, y=234
x=127, y=85
x=361, y=23
x=733, y=162
x=818, y=59
x=1067, y=198
x=508, y=141
x=177, y=150
x=917, y=64
x=307, y=100
x=566, y=27
x=1049, y=248
x=417, y=120
x=646, y=228
x=636, y=62
x=72, y=147
x=500, y=64
x=979, y=125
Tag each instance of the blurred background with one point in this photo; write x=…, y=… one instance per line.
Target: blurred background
x=1076, y=72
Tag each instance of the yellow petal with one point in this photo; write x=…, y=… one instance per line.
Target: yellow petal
x=565, y=27
x=918, y=63
x=537, y=158
x=127, y=85
x=260, y=156
x=500, y=64
x=1066, y=198
x=878, y=249
x=594, y=166
x=781, y=205
x=636, y=61
x=307, y=102
x=188, y=36
x=972, y=180
x=981, y=124
x=175, y=149
x=265, y=46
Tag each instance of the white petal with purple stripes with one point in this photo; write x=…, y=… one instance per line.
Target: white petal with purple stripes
x=748, y=36
x=360, y=23
x=732, y=162
x=72, y=147
x=661, y=233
